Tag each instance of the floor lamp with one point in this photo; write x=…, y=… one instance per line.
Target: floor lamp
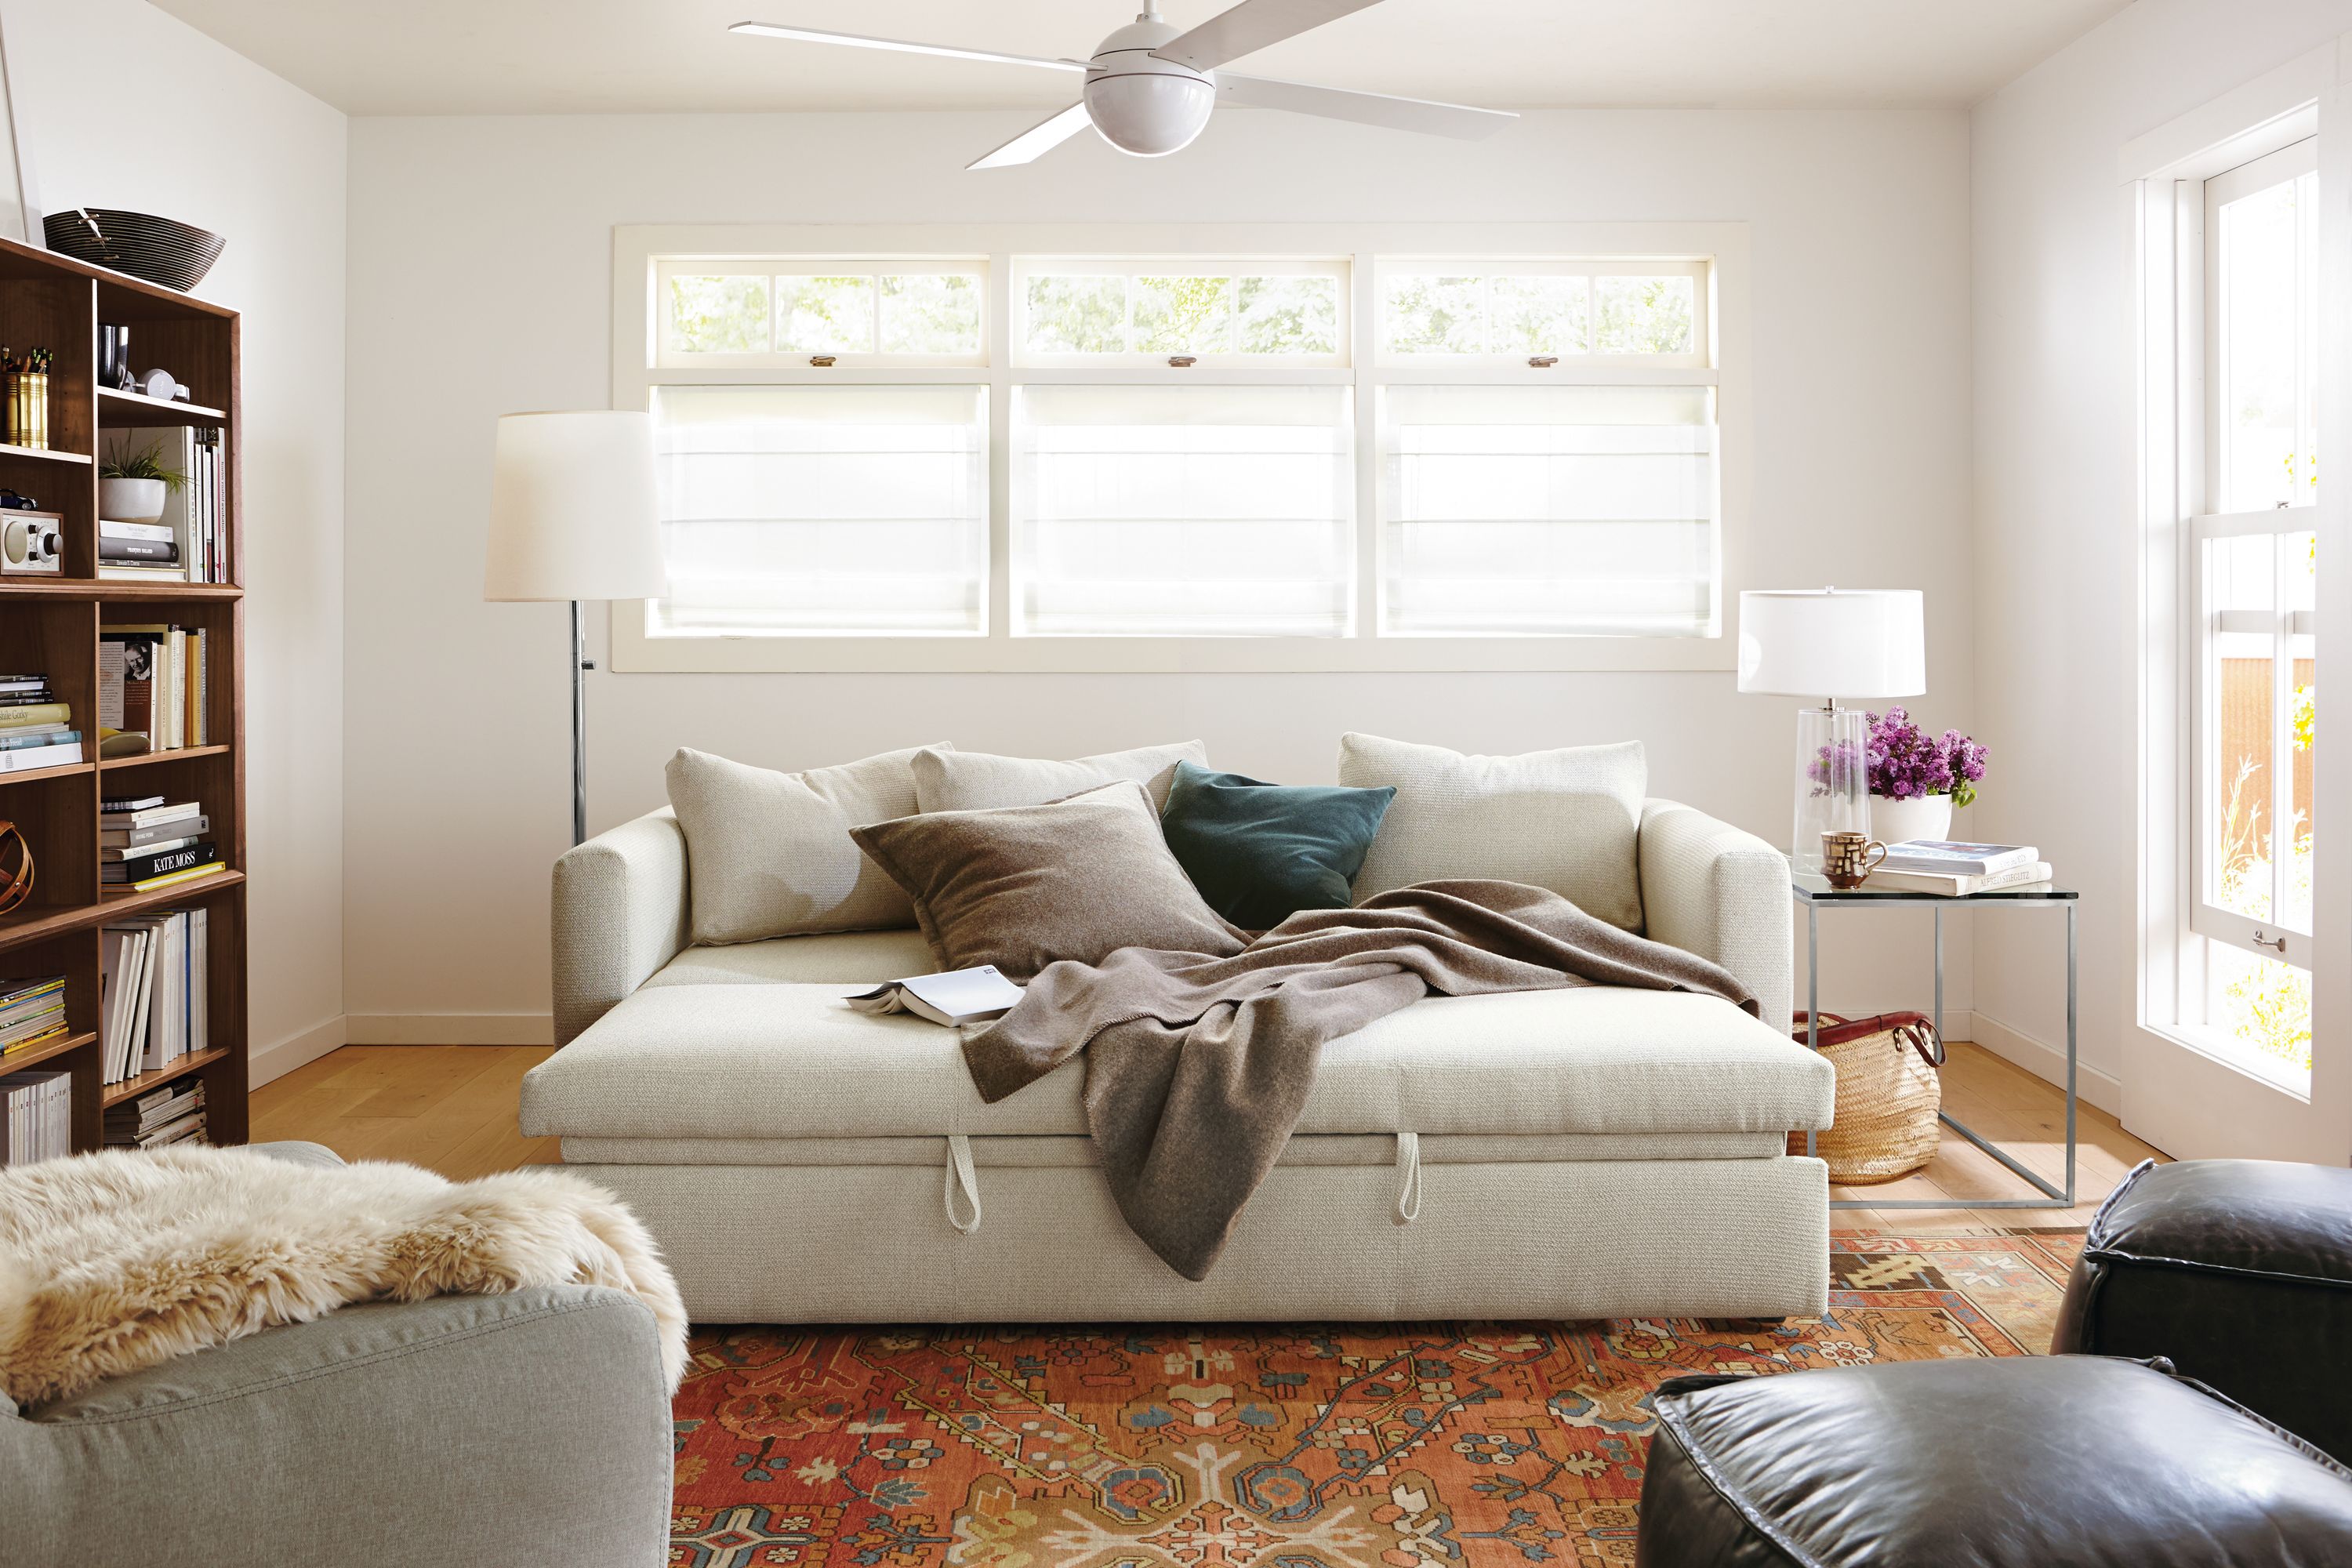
x=573, y=516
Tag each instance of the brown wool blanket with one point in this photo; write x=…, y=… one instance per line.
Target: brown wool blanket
x=1198, y=1067
x=113, y=1262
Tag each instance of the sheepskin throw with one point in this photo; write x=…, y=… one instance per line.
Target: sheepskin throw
x=111, y=1263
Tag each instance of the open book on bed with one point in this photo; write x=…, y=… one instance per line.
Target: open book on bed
x=958, y=998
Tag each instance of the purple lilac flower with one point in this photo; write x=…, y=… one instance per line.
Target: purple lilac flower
x=1906, y=764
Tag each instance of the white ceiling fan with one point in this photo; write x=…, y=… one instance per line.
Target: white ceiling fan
x=1150, y=87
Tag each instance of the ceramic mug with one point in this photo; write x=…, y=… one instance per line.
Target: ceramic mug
x=1846, y=860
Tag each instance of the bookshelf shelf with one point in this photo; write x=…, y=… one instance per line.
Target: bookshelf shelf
x=180, y=753
x=136, y=410
x=52, y=626
x=140, y=1083
x=35, y=775
x=18, y=1061
x=45, y=453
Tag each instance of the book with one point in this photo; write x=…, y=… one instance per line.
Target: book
x=37, y=735
x=146, y=815
x=958, y=998
x=62, y=751
x=159, y=532
x=36, y=1117
x=131, y=802
x=175, y=879
x=181, y=827
x=1957, y=887
x=1951, y=858
x=143, y=869
x=110, y=853
x=19, y=715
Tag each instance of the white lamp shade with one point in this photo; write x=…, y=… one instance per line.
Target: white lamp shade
x=573, y=509
x=1834, y=642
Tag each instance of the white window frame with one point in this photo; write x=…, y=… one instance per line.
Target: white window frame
x=1720, y=247
x=2183, y=1087
x=659, y=354
x=1193, y=264
x=1614, y=368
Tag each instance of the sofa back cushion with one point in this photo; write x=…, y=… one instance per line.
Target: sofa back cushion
x=1023, y=887
x=1568, y=820
x=949, y=780
x=769, y=854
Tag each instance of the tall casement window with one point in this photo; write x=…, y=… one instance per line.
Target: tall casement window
x=1317, y=449
x=2253, y=565
x=2240, y=1045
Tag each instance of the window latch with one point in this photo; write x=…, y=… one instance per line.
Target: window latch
x=821, y=362
x=1542, y=361
x=1182, y=361
x=2277, y=943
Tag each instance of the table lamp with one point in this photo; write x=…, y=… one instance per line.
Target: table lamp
x=1831, y=643
x=574, y=515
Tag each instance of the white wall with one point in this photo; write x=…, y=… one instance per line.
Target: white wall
x=2056, y=657
x=480, y=280
x=124, y=105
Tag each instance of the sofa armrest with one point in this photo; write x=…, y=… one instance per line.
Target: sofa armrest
x=620, y=914
x=1710, y=888
x=530, y=1427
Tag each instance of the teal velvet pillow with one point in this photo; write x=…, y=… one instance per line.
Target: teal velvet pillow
x=1259, y=852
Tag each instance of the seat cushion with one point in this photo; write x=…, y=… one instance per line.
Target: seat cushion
x=864, y=956
x=1995, y=1463
x=795, y=1061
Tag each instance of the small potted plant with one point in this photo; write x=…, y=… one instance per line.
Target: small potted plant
x=133, y=488
x=1917, y=780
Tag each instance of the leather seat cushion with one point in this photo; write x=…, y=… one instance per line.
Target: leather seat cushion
x=794, y=1061
x=1996, y=1463
x=2240, y=1272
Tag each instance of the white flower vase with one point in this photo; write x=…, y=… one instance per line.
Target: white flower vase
x=1921, y=816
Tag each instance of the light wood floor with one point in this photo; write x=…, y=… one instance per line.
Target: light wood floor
x=452, y=1108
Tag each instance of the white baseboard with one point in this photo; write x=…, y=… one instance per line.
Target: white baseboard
x=309, y=1044
x=450, y=1029
x=2046, y=1062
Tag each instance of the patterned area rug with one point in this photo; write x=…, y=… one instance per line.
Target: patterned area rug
x=1287, y=1446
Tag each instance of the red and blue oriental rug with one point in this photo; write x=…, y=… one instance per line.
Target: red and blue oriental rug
x=1285, y=1445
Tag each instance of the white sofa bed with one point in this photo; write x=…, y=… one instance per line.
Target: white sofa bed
x=1559, y=1154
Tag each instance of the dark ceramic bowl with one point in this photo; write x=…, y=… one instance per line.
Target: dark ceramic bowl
x=155, y=249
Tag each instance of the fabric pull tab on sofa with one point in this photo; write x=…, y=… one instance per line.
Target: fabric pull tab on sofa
x=1407, y=1160
x=962, y=1179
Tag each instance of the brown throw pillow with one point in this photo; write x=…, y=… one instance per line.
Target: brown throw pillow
x=1025, y=886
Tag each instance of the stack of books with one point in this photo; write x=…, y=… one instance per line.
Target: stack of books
x=148, y=841
x=153, y=995
x=187, y=544
x=152, y=684
x=39, y=1123
x=1955, y=869
x=172, y=1114
x=35, y=730
x=32, y=1012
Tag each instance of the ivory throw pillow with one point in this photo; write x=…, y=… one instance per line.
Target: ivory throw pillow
x=769, y=854
x=1568, y=820
x=1025, y=886
x=949, y=780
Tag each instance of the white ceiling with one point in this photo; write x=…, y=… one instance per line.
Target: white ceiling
x=537, y=57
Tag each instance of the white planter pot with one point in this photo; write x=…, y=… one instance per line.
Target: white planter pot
x=1921, y=816
x=130, y=500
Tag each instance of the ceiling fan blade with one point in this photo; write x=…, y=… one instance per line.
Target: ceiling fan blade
x=812, y=36
x=1037, y=141
x=1457, y=120
x=1250, y=26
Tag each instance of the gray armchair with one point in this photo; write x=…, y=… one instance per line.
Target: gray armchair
x=530, y=1427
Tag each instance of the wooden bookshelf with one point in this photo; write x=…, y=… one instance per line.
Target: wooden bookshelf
x=49, y=625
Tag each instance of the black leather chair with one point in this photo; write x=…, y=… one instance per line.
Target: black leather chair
x=2058, y=1462
x=2237, y=1271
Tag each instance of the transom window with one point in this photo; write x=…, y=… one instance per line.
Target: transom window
x=1120, y=459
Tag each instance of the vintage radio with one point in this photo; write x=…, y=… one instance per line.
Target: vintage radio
x=28, y=541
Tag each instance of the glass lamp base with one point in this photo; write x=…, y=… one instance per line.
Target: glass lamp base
x=1833, y=780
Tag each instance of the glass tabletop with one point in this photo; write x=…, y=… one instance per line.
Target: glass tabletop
x=1815, y=890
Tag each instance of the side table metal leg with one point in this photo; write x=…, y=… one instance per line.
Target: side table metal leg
x=1939, y=972
x=2072, y=1057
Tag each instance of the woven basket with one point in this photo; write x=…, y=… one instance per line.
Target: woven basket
x=1888, y=1095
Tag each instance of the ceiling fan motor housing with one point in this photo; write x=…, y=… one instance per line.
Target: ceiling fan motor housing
x=1141, y=103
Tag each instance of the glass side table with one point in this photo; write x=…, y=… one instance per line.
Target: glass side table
x=1815, y=894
